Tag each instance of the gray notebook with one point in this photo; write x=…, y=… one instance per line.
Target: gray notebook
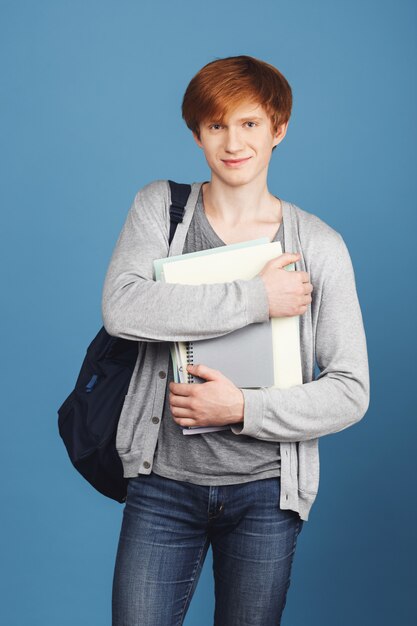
x=244, y=356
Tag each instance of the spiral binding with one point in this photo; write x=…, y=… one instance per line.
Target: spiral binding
x=190, y=359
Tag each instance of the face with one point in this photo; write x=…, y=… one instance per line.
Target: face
x=239, y=150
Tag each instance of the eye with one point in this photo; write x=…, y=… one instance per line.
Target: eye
x=255, y=124
x=211, y=125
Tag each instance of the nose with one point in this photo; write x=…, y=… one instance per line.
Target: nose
x=233, y=140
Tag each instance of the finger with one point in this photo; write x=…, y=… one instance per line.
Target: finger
x=180, y=401
x=178, y=412
x=181, y=389
x=305, y=277
x=287, y=258
x=204, y=372
x=186, y=422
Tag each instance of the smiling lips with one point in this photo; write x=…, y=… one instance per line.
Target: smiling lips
x=235, y=162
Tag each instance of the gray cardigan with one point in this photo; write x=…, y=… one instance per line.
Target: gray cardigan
x=136, y=307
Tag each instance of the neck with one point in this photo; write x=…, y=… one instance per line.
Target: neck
x=240, y=205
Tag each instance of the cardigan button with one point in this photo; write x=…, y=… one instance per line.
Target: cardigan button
x=155, y=420
x=146, y=464
x=162, y=374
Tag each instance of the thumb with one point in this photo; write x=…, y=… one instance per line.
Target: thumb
x=202, y=371
x=287, y=258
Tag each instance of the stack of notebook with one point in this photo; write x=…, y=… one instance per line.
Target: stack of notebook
x=258, y=355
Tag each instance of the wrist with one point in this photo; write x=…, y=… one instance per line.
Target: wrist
x=240, y=408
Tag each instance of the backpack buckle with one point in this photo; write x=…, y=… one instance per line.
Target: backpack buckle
x=177, y=212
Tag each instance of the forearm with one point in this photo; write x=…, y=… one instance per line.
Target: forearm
x=304, y=412
x=147, y=310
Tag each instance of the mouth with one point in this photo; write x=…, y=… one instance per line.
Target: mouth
x=235, y=162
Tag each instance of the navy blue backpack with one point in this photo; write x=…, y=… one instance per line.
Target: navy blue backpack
x=88, y=419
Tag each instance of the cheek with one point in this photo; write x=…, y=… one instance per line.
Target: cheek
x=265, y=154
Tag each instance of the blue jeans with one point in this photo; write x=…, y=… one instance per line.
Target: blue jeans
x=167, y=528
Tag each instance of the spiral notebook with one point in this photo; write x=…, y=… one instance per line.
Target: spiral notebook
x=244, y=356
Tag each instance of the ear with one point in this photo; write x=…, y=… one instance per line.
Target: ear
x=198, y=142
x=280, y=134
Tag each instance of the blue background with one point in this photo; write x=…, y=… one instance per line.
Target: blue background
x=90, y=112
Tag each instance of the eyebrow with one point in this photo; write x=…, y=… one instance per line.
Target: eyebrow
x=251, y=117
x=242, y=119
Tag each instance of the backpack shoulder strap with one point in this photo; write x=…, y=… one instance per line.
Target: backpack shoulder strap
x=179, y=197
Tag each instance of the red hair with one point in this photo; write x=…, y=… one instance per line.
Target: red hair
x=222, y=85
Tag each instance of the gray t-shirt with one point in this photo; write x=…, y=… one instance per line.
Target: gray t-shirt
x=219, y=457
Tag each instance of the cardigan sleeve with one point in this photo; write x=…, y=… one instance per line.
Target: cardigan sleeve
x=339, y=397
x=136, y=307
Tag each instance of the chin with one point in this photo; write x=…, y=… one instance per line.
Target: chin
x=235, y=181
x=241, y=178
x=234, y=177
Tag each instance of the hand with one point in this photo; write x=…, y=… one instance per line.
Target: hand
x=288, y=292
x=215, y=402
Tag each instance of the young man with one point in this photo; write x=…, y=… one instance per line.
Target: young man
x=247, y=490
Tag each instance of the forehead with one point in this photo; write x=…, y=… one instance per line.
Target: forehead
x=245, y=110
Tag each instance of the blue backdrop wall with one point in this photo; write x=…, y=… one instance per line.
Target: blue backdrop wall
x=91, y=95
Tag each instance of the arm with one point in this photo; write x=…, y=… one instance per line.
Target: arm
x=136, y=307
x=340, y=395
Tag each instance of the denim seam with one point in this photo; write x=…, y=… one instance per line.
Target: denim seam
x=296, y=533
x=192, y=581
